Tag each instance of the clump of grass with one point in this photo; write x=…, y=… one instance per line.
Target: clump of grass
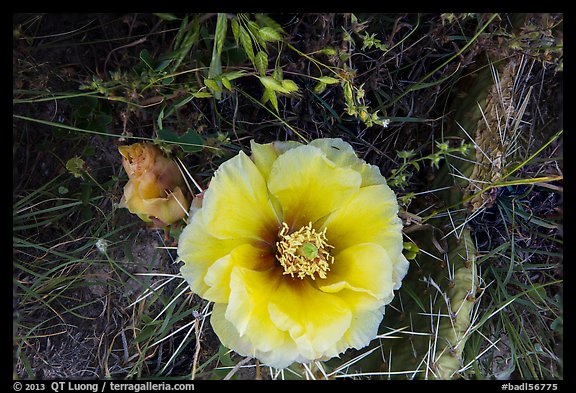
x=521, y=245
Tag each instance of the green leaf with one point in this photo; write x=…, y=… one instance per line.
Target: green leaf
x=220, y=35
x=227, y=77
x=273, y=85
x=216, y=63
x=246, y=43
x=268, y=34
x=212, y=85
x=255, y=33
x=160, y=117
x=265, y=96
x=538, y=294
x=226, y=82
x=202, y=94
x=181, y=32
x=274, y=101
x=146, y=59
x=167, y=81
x=261, y=62
x=278, y=74
x=329, y=51
x=348, y=93
x=328, y=107
x=409, y=290
x=75, y=166
x=234, y=74
x=163, y=16
x=328, y=80
x=235, y=29
x=147, y=332
x=163, y=64
x=290, y=85
x=270, y=95
x=319, y=87
x=224, y=356
x=190, y=142
x=188, y=35
x=86, y=213
x=557, y=325
x=265, y=20
x=183, y=101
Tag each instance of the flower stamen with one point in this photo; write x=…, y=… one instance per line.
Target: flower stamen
x=304, y=252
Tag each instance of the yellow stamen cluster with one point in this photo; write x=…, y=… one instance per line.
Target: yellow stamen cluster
x=304, y=252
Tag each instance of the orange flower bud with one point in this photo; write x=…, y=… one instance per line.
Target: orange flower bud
x=155, y=190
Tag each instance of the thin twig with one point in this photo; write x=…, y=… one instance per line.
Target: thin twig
x=197, y=351
x=237, y=367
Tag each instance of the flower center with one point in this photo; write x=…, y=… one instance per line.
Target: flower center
x=304, y=252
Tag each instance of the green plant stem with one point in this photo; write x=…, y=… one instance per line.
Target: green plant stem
x=71, y=128
x=415, y=86
x=52, y=98
x=506, y=183
x=275, y=115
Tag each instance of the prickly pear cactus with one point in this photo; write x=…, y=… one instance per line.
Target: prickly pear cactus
x=425, y=331
x=496, y=133
x=435, y=308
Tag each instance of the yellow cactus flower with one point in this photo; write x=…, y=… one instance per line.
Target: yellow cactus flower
x=155, y=190
x=300, y=249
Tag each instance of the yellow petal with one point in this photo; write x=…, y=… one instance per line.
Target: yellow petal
x=148, y=187
x=363, y=267
x=227, y=333
x=283, y=355
x=354, y=223
x=198, y=249
x=169, y=209
x=244, y=324
x=248, y=306
x=315, y=319
x=167, y=173
x=309, y=186
x=130, y=198
x=138, y=158
x=401, y=266
x=218, y=276
x=368, y=314
x=264, y=155
x=236, y=204
x=342, y=154
x=369, y=217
